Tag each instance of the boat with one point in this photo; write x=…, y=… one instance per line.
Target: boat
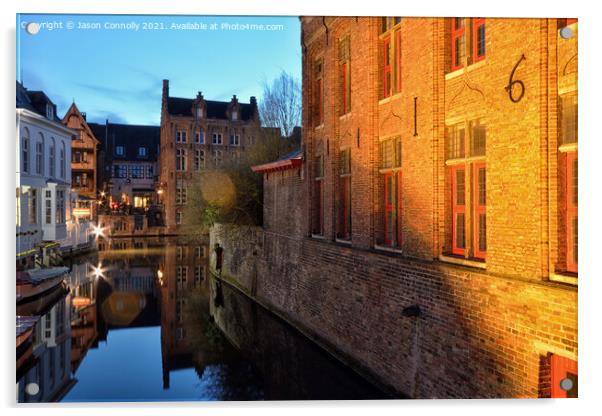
x=35, y=282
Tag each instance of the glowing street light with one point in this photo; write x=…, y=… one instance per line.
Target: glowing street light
x=97, y=230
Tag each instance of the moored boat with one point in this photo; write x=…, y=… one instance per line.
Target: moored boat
x=35, y=282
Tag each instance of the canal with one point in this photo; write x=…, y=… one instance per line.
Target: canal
x=142, y=320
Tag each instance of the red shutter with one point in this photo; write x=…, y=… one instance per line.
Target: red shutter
x=398, y=61
x=458, y=210
x=480, y=215
x=572, y=210
x=563, y=368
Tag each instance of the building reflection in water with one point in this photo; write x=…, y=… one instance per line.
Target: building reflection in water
x=139, y=322
x=46, y=375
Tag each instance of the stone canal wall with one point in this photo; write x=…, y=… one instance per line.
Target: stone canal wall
x=477, y=334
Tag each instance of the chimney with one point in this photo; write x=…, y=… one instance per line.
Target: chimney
x=84, y=116
x=199, y=95
x=234, y=99
x=165, y=94
x=253, y=101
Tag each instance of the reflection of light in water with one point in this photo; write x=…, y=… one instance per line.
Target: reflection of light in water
x=97, y=271
x=217, y=188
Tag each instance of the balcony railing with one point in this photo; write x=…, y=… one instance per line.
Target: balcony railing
x=82, y=166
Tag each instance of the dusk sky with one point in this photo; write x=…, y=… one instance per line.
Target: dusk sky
x=117, y=73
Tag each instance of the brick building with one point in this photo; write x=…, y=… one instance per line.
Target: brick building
x=129, y=155
x=196, y=134
x=439, y=192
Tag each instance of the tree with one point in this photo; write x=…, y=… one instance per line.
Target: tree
x=281, y=104
x=232, y=193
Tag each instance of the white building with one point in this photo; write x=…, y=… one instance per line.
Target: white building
x=43, y=180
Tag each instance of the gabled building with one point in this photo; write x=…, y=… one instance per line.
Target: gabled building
x=196, y=134
x=83, y=162
x=43, y=177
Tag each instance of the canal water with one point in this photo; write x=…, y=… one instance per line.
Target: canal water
x=141, y=320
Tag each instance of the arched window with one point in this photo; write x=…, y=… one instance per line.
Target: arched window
x=40, y=155
x=62, y=160
x=52, y=158
x=25, y=150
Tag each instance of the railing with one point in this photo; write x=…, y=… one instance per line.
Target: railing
x=82, y=166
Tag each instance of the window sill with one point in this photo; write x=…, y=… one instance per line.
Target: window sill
x=569, y=147
x=459, y=161
x=321, y=126
x=343, y=241
x=317, y=236
x=388, y=249
x=345, y=116
x=468, y=68
x=390, y=98
x=564, y=278
x=463, y=261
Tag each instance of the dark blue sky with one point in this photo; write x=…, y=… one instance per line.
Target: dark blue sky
x=117, y=73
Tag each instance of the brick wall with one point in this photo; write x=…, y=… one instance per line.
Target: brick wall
x=487, y=327
x=479, y=335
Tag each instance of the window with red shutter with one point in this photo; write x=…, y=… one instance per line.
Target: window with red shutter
x=478, y=39
x=458, y=210
x=480, y=215
x=458, y=43
x=386, y=67
x=564, y=377
x=572, y=211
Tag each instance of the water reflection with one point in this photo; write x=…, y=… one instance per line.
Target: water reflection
x=139, y=322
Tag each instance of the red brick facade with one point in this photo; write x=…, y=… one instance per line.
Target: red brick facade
x=473, y=226
x=188, y=145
